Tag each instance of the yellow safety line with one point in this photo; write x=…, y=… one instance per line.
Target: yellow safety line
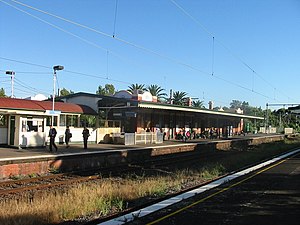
x=212, y=195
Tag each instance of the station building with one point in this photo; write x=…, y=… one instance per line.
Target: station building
x=25, y=123
x=140, y=112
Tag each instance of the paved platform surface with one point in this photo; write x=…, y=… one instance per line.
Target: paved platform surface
x=8, y=153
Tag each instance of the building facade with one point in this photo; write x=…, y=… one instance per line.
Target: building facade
x=140, y=113
x=26, y=123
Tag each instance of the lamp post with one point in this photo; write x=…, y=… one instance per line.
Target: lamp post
x=12, y=77
x=55, y=68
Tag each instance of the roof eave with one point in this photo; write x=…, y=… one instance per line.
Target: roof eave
x=192, y=109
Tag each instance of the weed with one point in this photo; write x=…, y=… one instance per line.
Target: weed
x=111, y=194
x=54, y=170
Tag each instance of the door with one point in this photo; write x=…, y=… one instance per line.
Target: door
x=12, y=130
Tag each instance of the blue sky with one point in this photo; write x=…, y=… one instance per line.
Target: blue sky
x=219, y=50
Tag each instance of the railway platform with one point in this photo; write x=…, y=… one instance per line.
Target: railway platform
x=17, y=162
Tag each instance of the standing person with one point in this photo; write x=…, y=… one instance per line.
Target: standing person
x=52, y=135
x=183, y=135
x=68, y=135
x=85, y=135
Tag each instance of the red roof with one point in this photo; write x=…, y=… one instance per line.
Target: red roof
x=33, y=105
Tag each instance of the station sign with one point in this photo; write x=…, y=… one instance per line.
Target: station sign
x=53, y=112
x=117, y=114
x=130, y=114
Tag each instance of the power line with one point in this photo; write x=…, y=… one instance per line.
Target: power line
x=67, y=71
x=28, y=72
x=21, y=83
x=63, y=30
x=115, y=21
x=126, y=42
x=213, y=36
x=27, y=63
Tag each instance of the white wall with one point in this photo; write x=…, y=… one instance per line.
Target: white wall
x=76, y=134
x=3, y=135
x=32, y=139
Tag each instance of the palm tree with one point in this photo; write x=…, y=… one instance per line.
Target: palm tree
x=179, y=98
x=198, y=104
x=157, y=91
x=135, y=87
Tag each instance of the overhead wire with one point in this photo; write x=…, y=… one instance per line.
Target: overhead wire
x=115, y=20
x=27, y=72
x=124, y=41
x=129, y=43
x=25, y=85
x=107, y=35
x=225, y=47
x=65, y=31
x=66, y=71
x=213, y=56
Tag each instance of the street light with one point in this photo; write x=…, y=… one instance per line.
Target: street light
x=12, y=76
x=55, y=68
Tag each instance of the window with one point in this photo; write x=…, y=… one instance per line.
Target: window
x=62, y=120
x=32, y=125
x=49, y=121
x=3, y=120
x=72, y=120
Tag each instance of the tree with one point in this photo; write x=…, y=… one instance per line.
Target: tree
x=2, y=92
x=157, y=91
x=235, y=104
x=198, y=104
x=108, y=89
x=179, y=98
x=135, y=87
x=64, y=92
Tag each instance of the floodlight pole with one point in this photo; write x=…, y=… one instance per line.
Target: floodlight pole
x=12, y=77
x=55, y=68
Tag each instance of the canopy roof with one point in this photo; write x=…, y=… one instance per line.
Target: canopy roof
x=42, y=106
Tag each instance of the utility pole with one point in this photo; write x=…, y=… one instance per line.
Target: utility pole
x=267, y=119
x=55, y=68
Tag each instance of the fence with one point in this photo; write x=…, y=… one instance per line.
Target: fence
x=148, y=138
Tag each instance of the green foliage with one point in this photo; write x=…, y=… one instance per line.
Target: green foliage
x=54, y=170
x=135, y=87
x=179, y=98
x=198, y=104
x=64, y=92
x=157, y=91
x=88, y=120
x=2, y=92
x=108, y=89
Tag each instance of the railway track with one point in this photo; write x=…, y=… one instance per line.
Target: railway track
x=14, y=187
x=57, y=180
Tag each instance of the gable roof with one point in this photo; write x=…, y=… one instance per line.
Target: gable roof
x=42, y=106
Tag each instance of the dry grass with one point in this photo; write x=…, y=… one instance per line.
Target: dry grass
x=103, y=197
x=112, y=195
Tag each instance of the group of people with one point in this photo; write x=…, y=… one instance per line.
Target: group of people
x=68, y=135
